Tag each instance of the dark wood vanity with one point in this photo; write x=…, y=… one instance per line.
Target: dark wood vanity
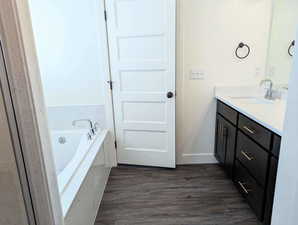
x=249, y=154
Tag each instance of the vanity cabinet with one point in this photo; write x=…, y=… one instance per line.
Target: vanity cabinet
x=253, y=157
x=225, y=143
x=270, y=190
x=227, y=112
x=272, y=180
x=259, y=134
x=250, y=189
x=276, y=145
x=220, y=136
x=249, y=154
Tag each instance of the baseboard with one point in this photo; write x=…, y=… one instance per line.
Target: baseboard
x=196, y=158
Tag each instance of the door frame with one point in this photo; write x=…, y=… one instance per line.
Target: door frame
x=24, y=83
x=13, y=132
x=30, y=114
x=108, y=92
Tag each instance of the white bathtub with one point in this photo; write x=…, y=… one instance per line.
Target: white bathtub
x=73, y=154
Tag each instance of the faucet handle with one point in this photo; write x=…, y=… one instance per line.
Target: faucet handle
x=89, y=136
x=268, y=87
x=268, y=83
x=95, y=128
x=285, y=88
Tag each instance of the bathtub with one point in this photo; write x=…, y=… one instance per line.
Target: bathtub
x=73, y=155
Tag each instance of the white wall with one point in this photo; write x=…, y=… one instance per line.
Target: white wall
x=68, y=46
x=208, y=33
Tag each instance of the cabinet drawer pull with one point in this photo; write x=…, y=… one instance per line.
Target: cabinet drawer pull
x=243, y=187
x=247, y=156
x=249, y=130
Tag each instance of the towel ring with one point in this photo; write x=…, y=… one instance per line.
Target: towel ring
x=292, y=45
x=241, y=45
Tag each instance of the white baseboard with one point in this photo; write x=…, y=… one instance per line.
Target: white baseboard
x=196, y=158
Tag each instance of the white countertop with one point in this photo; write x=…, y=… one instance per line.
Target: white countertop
x=269, y=115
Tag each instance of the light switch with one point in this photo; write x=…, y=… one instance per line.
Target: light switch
x=196, y=75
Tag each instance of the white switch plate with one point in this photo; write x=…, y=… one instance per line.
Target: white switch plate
x=196, y=75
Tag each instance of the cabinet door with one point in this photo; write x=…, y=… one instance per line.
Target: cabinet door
x=270, y=190
x=220, y=152
x=225, y=143
x=276, y=145
x=230, y=140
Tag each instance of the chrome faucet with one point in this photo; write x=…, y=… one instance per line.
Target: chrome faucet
x=269, y=89
x=92, y=130
x=96, y=127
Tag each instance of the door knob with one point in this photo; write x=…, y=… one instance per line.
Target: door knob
x=170, y=94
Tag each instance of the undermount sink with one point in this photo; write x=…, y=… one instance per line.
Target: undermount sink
x=253, y=100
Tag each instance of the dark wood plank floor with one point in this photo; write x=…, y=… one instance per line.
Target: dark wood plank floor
x=188, y=195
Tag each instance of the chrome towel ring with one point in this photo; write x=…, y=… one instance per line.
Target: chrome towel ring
x=240, y=46
x=292, y=45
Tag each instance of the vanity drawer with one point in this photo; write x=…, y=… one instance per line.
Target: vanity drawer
x=227, y=112
x=249, y=188
x=253, y=157
x=255, y=131
x=276, y=145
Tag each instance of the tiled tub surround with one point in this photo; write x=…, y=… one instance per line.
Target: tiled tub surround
x=268, y=114
x=61, y=117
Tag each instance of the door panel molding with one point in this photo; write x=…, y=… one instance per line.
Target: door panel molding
x=142, y=42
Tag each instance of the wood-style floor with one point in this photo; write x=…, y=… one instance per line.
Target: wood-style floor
x=188, y=195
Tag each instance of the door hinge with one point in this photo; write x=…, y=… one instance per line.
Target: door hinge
x=111, y=84
x=116, y=144
x=106, y=15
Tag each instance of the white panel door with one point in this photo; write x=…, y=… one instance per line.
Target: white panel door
x=142, y=50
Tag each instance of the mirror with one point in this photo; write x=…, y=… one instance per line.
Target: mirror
x=282, y=40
